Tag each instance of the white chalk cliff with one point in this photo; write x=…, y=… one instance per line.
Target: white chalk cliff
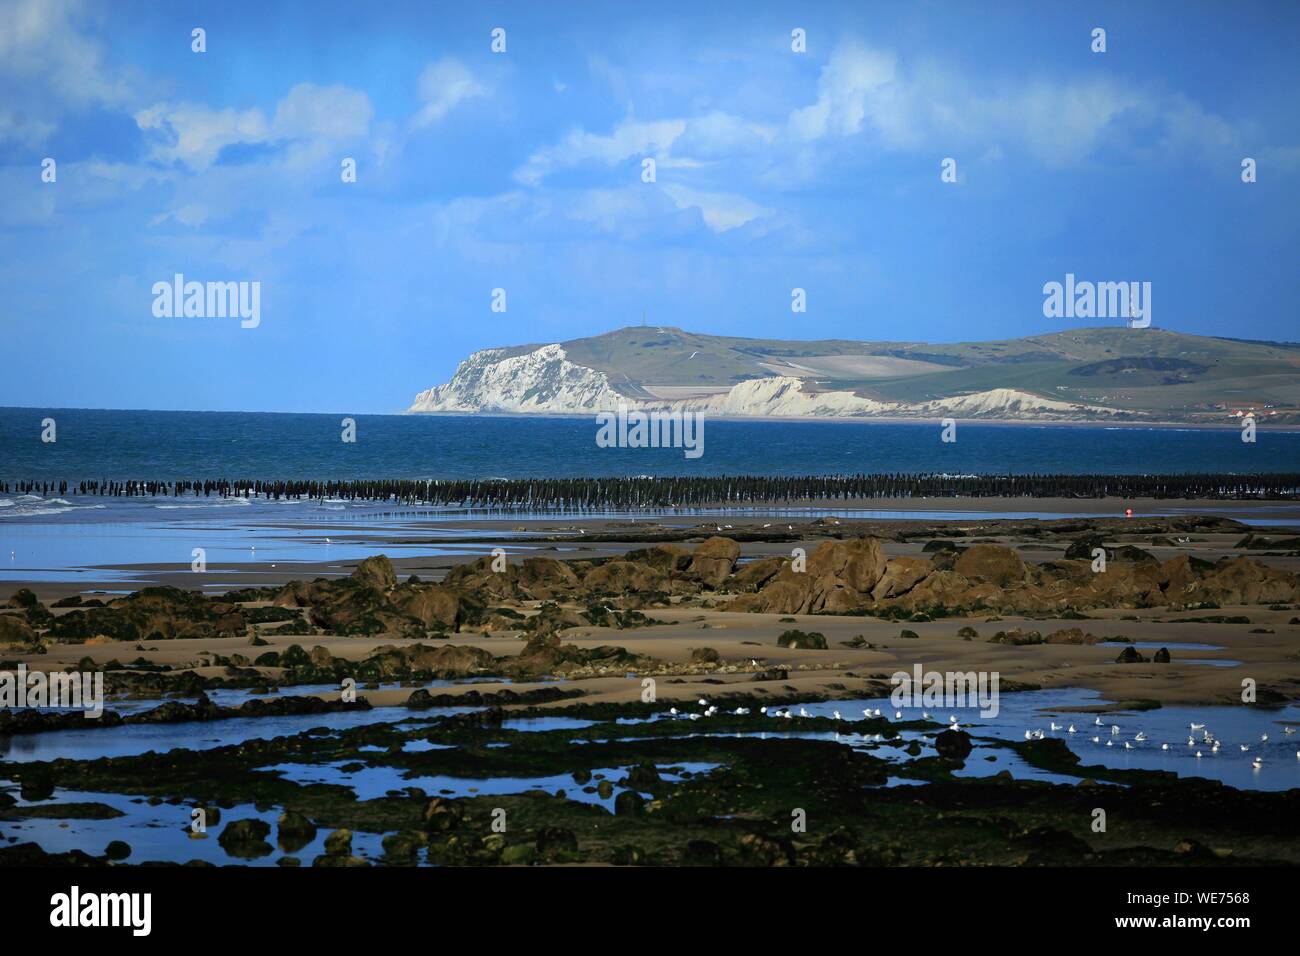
x=544, y=381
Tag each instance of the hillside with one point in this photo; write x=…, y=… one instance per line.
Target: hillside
x=1102, y=374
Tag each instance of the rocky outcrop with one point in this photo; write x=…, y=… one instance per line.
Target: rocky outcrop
x=853, y=576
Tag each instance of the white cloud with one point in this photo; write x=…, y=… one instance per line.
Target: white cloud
x=854, y=84
x=721, y=211
x=443, y=86
x=630, y=138
x=310, y=115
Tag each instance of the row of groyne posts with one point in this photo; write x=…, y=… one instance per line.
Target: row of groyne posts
x=669, y=492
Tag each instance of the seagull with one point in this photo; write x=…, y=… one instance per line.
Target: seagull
x=1096, y=740
x=1097, y=722
x=954, y=726
x=898, y=715
x=1196, y=726
x=803, y=713
x=673, y=711
x=1191, y=742
x=925, y=715
x=836, y=716
x=762, y=710
x=1127, y=745
x=1055, y=725
x=1288, y=730
x=1257, y=762
x=1263, y=738
x=1198, y=754
x=1072, y=730
x=1110, y=743
x=952, y=718
x=703, y=702
x=1244, y=748
x=1140, y=736
x=1164, y=746
x=1114, y=729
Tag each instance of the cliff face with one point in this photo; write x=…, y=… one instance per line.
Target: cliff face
x=542, y=381
x=545, y=381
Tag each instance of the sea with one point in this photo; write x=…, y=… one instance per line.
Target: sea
x=69, y=537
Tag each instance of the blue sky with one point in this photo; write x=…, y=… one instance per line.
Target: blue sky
x=522, y=170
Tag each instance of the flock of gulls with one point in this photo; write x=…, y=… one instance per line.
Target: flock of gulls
x=1207, y=742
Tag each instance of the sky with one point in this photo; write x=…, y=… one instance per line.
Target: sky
x=524, y=169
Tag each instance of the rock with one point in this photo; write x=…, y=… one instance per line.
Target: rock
x=23, y=597
x=713, y=560
x=442, y=814
x=404, y=846
x=555, y=844
x=117, y=850
x=901, y=575
x=339, y=843
x=14, y=630
x=629, y=803
x=1161, y=656
x=376, y=572
x=838, y=579
x=518, y=854
x=246, y=838
x=1130, y=655
x=953, y=744
x=643, y=777
x=295, y=831
x=991, y=564
x=604, y=789
x=755, y=574
x=1072, y=635
x=705, y=655
x=803, y=641
x=703, y=853
x=628, y=856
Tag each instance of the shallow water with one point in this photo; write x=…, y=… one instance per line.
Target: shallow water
x=371, y=782
x=161, y=832
x=1031, y=710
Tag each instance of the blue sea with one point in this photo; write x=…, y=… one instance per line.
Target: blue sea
x=165, y=446
x=69, y=537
